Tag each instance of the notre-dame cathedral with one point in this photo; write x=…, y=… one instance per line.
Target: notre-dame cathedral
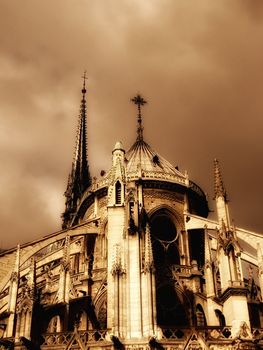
x=138, y=264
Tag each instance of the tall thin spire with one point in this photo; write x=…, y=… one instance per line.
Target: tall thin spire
x=219, y=185
x=139, y=101
x=79, y=178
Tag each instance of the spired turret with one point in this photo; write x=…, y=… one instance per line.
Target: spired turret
x=229, y=262
x=79, y=178
x=220, y=196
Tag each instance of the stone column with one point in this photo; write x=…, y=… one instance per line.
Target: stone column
x=18, y=326
x=28, y=322
x=224, y=270
x=116, y=222
x=134, y=282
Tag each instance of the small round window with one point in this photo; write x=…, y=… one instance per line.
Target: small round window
x=163, y=228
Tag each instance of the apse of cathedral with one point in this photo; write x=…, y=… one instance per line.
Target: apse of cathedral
x=138, y=264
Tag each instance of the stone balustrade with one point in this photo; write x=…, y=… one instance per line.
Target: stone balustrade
x=51, y=340
x=171, y=338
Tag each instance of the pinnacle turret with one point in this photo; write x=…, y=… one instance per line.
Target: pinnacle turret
x=79, y=178
x=219, y=185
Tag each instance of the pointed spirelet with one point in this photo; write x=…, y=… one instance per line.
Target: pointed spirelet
x=219, y=185
x=149, y=262
x=79, y=178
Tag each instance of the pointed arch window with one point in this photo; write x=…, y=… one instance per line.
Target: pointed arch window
x=200, y=316
x=221, y=318
x=82, y=320
x=102, y=316
x=171, y=302
x=54, y=324
x=118, y=192
x=172, y=307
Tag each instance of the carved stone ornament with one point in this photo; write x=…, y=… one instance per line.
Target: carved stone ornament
x=148, y=263
x=260, y=269
x=14, y=277
x=244, y=331
x=194, y=344
x=24, y=305
x=117, y=268
x=64, y=267
x=240, y=330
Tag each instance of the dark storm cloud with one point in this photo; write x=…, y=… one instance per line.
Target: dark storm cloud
x=197, y=63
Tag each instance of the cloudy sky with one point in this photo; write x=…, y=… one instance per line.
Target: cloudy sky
x=198, y=64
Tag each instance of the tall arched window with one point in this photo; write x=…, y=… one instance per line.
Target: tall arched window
x=172, y=306
x=82, y=321
x=221, y=318
x=200, y=316
x=54, y=325
x=101, y=310
x=118, y=192
x=254, y=315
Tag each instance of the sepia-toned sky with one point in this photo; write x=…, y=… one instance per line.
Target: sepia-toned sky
x=197, y=63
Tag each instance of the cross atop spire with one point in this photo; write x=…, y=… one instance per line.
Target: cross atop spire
x=139, y=101
x=84, y=76
x=219, y=185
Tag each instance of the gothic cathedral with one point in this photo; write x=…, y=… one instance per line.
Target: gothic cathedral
x=138, y=265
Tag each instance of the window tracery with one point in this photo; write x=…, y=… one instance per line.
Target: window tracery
x=118, y=192
x=171, y=303
x=200, y=316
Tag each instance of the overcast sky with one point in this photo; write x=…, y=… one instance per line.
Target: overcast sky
x=197, y=63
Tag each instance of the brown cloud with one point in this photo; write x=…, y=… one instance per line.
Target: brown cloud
x=197, y=63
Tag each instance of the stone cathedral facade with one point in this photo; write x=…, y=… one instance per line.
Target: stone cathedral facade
x=138, y=264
